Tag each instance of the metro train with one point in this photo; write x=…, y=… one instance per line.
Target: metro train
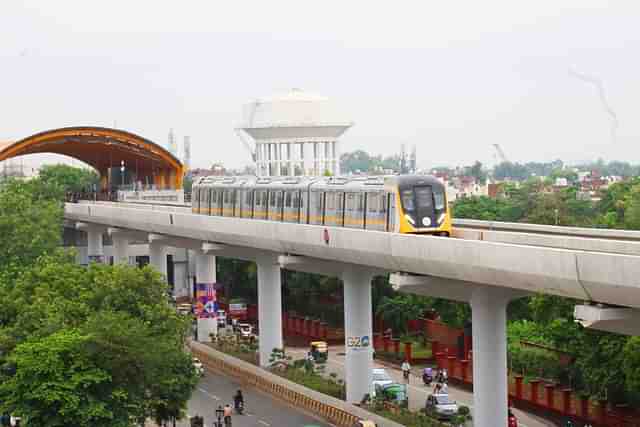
x=413, y=204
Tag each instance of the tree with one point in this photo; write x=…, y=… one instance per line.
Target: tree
x=477, y=172
x=30, y=223
x=632, y=364
x=57, y=384
x=69, y=178
x=109, y=324
x=398, y=310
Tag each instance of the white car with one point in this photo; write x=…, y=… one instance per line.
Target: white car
x=197, y=364
x=379, y=377
x=245, y=329
x=440, y=406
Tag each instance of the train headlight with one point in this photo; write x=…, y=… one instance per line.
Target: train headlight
x=441, y=218
x=426, y=221
x=408, y=218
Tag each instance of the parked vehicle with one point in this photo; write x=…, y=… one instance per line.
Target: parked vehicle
x=245, y=330
x=440, y=406
x=380, y=377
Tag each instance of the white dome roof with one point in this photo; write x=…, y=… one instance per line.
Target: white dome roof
x=296, y=108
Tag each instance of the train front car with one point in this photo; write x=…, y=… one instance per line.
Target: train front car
x=421, y=205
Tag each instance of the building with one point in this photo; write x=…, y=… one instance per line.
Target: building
x=294, y=134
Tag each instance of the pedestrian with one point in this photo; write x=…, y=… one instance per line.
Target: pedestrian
x=406, y=370
x=227, y=415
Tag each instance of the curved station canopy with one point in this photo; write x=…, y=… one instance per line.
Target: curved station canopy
x=107, y=150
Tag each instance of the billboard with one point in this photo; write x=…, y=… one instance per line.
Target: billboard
x=206, y=301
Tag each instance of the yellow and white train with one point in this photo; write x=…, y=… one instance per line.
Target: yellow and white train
x=402, y=204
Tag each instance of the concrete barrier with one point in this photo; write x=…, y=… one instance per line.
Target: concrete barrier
x=336, y=411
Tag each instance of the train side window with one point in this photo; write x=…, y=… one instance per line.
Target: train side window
x=351, y=201
x=214, y=197
x=248, y=198
x=279, y=199
x=295, y=200
x=360, y=202
x=330, y=201
x=287, y=200
x=225, y=196
x=372, y=202
x=438, y=197
x=272, y=199
x=265, y=198
x=340, y=201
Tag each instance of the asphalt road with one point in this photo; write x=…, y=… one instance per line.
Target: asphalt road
x=418, y=392
x=260, y=409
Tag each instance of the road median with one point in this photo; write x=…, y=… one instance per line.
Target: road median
x=336, y=411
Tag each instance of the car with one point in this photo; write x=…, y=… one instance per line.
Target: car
x=197, y=364
x=512, y=420
x=379, y=378
x=245, y=329
x=440, y=406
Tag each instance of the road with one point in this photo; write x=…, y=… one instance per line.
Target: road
x=260, y=409
x=418, y=392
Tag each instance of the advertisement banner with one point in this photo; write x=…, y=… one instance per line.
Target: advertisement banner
x=238, y=310
x=206, y=301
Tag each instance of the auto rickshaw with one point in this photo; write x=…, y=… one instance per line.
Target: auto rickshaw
x=319, y=351
x=395, y=393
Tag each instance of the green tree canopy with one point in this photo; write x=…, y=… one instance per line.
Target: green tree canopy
x=70, y=178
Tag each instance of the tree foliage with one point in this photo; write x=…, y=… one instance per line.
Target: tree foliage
x=69, y=178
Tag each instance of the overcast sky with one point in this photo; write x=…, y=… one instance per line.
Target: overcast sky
x=451, y=77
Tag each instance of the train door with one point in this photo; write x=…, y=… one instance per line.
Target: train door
x=315, y=207
x=425, y=211
x=330, y=208
x=375, y=212
x=290, y=206
x=260, y=207
x=247, y=204
x=391, y=211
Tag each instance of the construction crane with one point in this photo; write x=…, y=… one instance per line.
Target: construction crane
x=500, y=153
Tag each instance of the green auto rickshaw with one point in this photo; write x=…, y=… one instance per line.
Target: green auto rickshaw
x=395, y=393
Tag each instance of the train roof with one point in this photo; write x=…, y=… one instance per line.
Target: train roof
x=337, y=183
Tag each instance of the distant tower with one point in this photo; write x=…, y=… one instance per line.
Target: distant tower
x=412, y=160
x=294, y=134
x=403, y=159
x=172, y=146
x=187, y=153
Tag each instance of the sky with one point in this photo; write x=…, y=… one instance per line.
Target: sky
x=453, y=78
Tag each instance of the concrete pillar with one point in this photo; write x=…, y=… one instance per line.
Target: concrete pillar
x=120, y=245
x=95, y=248
x=206, y=296
x=358, y=324
x=158, y=255
x=269, y=306
x=490, y=392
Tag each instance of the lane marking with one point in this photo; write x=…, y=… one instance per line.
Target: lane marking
x=264, y=423
x=208, y=394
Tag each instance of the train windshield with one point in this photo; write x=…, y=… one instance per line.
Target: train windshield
x=438, y=197
x=407, y=200
x=424, y=197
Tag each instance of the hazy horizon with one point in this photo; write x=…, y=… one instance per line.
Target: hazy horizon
x=449, y=79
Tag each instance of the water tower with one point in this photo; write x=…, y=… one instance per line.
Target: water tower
x=295, y=134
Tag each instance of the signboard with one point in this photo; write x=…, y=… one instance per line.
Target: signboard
x=206, y=301
x=238, y=310
x=359, y=342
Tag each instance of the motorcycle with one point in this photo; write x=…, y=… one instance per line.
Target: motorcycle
x=239, y=407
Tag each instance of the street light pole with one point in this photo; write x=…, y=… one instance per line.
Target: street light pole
x=122, y=173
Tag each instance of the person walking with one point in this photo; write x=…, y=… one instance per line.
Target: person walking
x=406, y=370
x=227, y=415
